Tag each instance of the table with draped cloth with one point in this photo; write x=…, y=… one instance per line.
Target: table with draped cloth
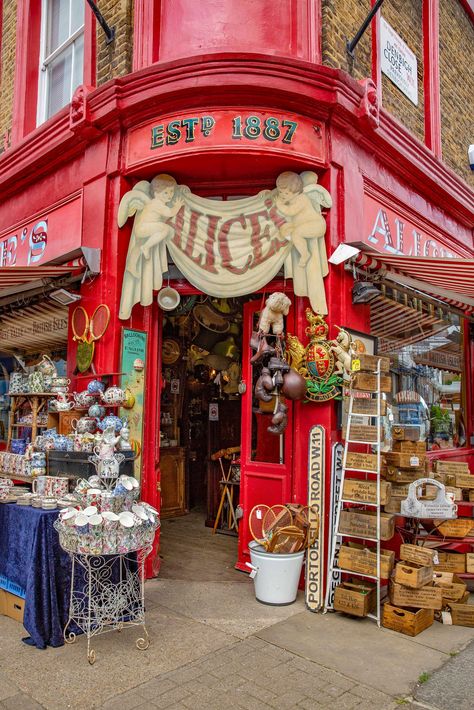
x=31, y=557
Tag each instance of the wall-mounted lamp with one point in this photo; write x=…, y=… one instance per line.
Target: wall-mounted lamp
x=65, y=298
x=364, y=292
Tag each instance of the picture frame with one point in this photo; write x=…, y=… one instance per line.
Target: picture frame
x=370, y=343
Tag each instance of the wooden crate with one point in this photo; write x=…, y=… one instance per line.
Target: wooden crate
x=368, y=383
x=451, y=562
x=395, y=458
x=413, y=575
x=460, y=527
x=428, y=597
x=401, y=491
x=363, y=432
x=453, y=588
x=369, y=363
x=12, y=606
x=357, y=558
x=409, y=447
x=394, y=506
x=418, y=555
x=361, y=462
x=355, y=598
x=366, y=491
x=448, y=479
x=402, y=432
x=464, y=480
x=453, y=467
x=363, y=524
x=366, y=405
x=402, y=475
x=410, y=623
x=461, y=614
x=470, y=562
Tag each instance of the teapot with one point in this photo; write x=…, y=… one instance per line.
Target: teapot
x=84, y=425
x=113, y=395
x=47, y=367
x=61, y=403
x=95, y=386
x=97, y=411
x=83, y=399
x=110, y=420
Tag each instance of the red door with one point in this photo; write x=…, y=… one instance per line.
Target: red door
x=266, y=470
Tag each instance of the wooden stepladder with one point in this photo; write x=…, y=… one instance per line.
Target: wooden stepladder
x=358, y=514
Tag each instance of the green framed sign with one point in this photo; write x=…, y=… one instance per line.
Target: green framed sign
x=133, y=369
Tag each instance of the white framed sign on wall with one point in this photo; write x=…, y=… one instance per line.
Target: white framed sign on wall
x=398, y=62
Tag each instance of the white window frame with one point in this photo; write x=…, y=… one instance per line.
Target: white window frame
x=45, y=61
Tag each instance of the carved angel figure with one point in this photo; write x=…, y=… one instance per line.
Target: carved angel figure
x=146, y=258
x=300, y=199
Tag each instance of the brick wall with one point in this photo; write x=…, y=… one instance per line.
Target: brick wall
x=456, y=39
x=7, y=71
x=404, y=16
x=342, y=19
x=115, y=59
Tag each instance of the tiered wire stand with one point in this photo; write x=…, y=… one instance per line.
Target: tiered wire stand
x=107, y=591
x=110, y=598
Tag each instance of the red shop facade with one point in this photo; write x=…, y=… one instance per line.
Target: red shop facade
x=226, y=126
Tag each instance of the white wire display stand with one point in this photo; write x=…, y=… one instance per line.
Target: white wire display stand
x=107, y=590
x=107, y=594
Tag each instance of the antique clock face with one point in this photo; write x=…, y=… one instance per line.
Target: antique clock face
x=171, y=351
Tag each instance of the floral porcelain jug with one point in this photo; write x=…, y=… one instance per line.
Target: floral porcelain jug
x=36, y=382
x=47, y=367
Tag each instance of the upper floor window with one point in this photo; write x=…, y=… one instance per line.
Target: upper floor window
x=61, y=67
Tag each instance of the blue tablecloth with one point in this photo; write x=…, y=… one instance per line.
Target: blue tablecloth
x=30, y=556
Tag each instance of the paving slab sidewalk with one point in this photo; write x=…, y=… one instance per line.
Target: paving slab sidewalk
x=216, y=647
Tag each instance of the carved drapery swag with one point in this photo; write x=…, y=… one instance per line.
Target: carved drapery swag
x=228, y=248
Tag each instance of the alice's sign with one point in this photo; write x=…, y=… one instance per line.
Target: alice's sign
x=229, y=131
x=226, y=248
x=395, y=233
x=44, y=238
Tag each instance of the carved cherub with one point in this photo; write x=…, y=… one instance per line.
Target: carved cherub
x=146, y=257
x=300, y=198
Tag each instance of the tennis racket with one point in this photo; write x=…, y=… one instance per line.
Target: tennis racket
x=255, y=522
x=86, y=331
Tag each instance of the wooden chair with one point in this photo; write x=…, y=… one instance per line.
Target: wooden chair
x=227, y=486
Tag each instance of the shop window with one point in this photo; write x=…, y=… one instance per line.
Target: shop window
x=61, y=54
x=425, y=344
x=266, y=447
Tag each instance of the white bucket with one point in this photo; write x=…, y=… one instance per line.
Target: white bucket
x=275, y=576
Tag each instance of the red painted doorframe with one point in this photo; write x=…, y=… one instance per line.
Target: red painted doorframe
x=153, y=322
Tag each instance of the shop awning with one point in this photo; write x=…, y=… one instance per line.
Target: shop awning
x=14, y=279
x=448, y=280
x=41, y=326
